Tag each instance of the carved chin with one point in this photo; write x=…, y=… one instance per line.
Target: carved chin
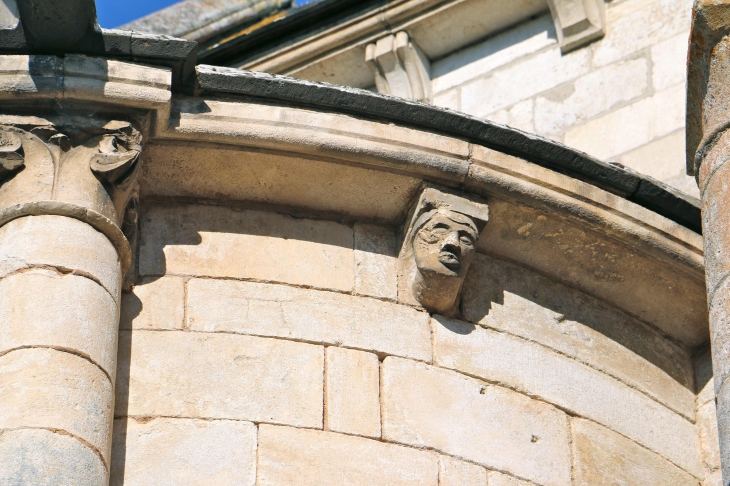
x=450, y=261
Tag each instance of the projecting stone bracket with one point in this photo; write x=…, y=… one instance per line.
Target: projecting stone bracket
x=438, y=247
x=578, y=22
x=399, y=67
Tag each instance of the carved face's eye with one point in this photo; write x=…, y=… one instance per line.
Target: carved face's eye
x=440, y=229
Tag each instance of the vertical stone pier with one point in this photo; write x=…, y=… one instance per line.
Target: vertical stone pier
x=708, y=152
x=66, y=194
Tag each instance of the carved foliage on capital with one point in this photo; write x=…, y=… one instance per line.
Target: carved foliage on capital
x=90, y=172
x=438, y=247
x=11, y=153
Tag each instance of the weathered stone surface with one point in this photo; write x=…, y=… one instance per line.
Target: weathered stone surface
x=320, y=134
x=669, y=62
x=44, y=458
x=536, y=74
x=315, y=458
x=520, y=115
x=448, y=99
x=286, y=179
x=220, y=376
x=375, y=262
x=453, y=472
x=603, y=457
x=156, y=303
x=166, y=451
x=558, y=246
x=497, y=51
x=589, y=95
x=511, y=298
x=499, y=479
x=352, y=392
x=723, y=426
x=634, y=26
x=76, y=246
x=44, y=388
x=715, y=479
x=631, y=126
x=664, y=160
x=425, y=406
x=309, y=315
x=538, y=371
x=223, y=242
x=709, y=442
x=67, y=311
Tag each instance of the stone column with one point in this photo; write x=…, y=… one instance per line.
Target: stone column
x=67, y=192
x=708, y=151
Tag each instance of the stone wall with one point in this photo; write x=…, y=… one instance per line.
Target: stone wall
x=621, y=98
x=260, y=348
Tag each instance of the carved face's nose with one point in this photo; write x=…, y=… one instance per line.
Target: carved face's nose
x=451, y=241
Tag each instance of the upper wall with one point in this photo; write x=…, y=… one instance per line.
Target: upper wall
x=621, y=98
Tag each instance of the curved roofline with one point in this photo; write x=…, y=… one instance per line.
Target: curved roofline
x=640, y=189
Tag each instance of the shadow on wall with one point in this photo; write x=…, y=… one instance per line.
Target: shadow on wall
x=511, y=298
x=492, y=48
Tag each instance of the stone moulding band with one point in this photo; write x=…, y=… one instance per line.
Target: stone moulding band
x=635, y=187
x=96, y=220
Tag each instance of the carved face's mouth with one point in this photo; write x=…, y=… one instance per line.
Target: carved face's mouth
x=449, y=259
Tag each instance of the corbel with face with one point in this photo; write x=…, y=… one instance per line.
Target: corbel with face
x=438, y=246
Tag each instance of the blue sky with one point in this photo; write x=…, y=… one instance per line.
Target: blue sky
x=113, y=13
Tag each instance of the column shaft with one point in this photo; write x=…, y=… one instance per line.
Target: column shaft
x=59, y=297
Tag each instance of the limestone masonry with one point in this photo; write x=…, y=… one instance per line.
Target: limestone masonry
x=222, y=276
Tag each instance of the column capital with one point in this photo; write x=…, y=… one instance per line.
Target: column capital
x=87, y=170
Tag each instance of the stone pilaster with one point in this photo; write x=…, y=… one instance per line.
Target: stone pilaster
x=708, y=151
x=68, y=199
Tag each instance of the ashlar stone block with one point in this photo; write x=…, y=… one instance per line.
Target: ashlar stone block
x=375, y=262
x=633, y=26
x=511, y=298
x=76, y=247
x=605, y=457
x=709, y=441
x=316, y=458
x=500, y=50
x=54, y=390
x=538, y=371
x=69, y=312
x=669, y=62
x=631, y=126
x=308, y=315
x=216, y=241
x=220, y=376
x=589, y=95
x=538, y=73
x=172, y=451
x=352, y=392
x=156, y=303
x=453, y=472
x=499, y=479
x=44, y=458
x=425, y=406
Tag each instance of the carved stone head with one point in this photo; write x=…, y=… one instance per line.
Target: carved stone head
x=438, y=248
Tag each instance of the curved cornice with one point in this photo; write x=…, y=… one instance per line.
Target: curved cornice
x=638, y=188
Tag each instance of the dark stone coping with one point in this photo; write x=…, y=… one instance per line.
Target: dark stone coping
x=178, y=54
x=641, y=189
